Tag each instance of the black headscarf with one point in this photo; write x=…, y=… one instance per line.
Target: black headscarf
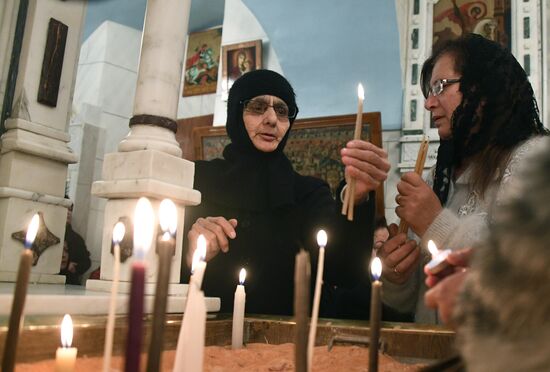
x=247, y=176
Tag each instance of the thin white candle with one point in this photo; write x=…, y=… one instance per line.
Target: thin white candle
x=190, y=347
x=65, y=356
x=439, y=259
x=322, y=242
x=238, y=312
x=356, y=135
x=118, y=235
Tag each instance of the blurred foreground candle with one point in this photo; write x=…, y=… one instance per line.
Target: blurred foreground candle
x=302, y=276
x=65, y=356
x=144, y=219
x=439, y=259
x=322, y=242
x=238, y=313
x=199, y=264
x=190, y=348
x=118, y=235
x=19, y=296
x=166, y=248
x=375, y=310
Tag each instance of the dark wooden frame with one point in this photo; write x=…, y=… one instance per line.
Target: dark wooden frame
x=210, y=141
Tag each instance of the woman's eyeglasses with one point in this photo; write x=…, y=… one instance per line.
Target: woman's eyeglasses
x=439, y=85
x=259, y=107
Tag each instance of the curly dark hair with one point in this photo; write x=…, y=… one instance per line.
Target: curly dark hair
x=498, y=109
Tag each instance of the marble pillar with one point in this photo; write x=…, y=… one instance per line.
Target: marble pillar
x=149, y=161
x=33, y=149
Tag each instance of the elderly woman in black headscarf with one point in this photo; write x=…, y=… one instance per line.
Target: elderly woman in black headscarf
x=257, y=212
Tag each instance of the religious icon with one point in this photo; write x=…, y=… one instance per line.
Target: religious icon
x=239, y=59
x=489, y=18
x=202, y=62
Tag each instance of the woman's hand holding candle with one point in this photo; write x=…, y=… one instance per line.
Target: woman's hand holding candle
x=399, y=256
x=456, y=261
x=417, y=204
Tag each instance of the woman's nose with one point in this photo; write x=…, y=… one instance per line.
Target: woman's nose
x=430, y=103
x=271, y=116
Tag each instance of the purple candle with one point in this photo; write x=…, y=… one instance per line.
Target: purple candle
x=143, y=235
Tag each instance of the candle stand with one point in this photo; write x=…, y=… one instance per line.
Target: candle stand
x=406, y=342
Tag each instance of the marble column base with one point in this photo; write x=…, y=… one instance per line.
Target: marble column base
x=20, y=206
x=127, y=176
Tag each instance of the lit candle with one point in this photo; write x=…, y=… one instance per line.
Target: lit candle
x=118, y=235
x=190, y=347
x=322, y=242
x=198, y=265
x=65, y=356
x=19, y=296
x=143, y=235
x=302, y=276
x=349, y=198
x=375, y=310
x=439, y=259
x=166, y=248
x=238, y=313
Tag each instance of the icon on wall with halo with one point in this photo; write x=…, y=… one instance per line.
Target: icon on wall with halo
x=238, y=59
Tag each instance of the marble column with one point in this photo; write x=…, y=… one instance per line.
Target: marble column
x=33, y=149
x=149, y=160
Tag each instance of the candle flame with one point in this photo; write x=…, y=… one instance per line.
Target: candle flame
x=67, y=331
x=118, y=232
x=432, y=248
x=242, y=276
x=144, y=219
x=360, y=91
x=322, y=238
x=376, y=268
x=168, y=216
x=200, y=252
x=32, y=230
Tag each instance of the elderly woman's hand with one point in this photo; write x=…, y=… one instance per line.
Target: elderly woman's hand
x=457, y=260
x=216, y=230
x=417, y=204
x=400, y=257
x=367, y=164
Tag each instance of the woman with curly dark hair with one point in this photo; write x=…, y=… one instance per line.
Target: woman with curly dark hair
x=484, y=109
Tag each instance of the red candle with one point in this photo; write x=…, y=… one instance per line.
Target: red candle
x=19, y=296
x=143, y=235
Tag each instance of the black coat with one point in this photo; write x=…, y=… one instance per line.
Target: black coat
x=268, y=240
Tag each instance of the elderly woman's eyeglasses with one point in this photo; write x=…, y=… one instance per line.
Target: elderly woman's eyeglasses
x=259, y=107
x=439, y=85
